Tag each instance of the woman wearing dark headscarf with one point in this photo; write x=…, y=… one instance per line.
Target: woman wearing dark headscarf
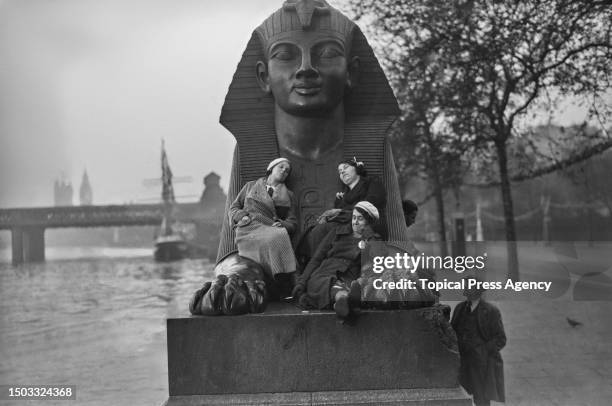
x=357, y=186
x=337, y=262
x=264, y=216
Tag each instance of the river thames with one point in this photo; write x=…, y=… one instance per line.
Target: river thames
x=94, y=318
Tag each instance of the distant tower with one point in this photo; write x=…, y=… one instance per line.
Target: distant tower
x=213, y=197
x=85, y=192
x=68, y=193
x=62, y=192
x=57, y=193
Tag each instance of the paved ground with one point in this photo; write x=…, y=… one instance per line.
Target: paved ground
x=548, y=362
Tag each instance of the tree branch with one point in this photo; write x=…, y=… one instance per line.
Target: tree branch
x=575, y=159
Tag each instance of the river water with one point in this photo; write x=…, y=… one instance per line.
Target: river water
x=94, y=318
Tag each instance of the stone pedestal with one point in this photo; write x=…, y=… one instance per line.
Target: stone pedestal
x=288, y=357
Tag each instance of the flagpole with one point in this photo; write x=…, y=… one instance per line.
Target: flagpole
x=167, y=191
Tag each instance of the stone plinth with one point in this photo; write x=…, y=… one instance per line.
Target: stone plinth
x=285, y=356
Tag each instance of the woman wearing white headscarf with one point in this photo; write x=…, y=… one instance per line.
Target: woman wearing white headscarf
x=337, y=262
x=264, y=216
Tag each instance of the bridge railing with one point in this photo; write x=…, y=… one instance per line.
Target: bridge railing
x=103, y=216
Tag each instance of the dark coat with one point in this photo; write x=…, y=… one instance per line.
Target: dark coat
x=368, y=188
x=483, y=360
x=338, y=257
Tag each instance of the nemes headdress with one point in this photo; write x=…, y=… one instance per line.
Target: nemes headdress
x=302, y=15
x=248, y=112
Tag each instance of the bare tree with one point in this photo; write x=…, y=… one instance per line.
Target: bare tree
x=503, y=58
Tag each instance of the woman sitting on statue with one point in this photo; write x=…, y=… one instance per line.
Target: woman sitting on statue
x=326, y=281
x=264, y=216
x=357, y=186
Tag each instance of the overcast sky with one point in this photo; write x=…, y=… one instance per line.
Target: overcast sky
x=96, y=84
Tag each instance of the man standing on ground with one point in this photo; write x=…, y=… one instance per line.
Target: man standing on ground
x=481, y=336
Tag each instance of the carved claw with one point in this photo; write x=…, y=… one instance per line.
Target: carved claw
x=211, y=301
x=257, y=295
x=194, y=304
x=239, y=288
x=235, y=297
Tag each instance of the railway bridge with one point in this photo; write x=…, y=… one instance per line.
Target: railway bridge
x=28, y=225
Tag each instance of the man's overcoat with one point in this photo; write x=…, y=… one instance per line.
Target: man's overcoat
x=482, y=359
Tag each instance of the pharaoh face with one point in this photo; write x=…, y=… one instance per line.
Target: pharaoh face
x=307, y=72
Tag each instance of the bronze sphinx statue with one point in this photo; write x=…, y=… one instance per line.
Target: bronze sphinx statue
x=308, y=88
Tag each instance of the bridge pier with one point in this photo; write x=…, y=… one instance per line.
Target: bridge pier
x=28, y=244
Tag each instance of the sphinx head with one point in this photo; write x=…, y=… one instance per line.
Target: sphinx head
x=322, y=62
x=307, y=65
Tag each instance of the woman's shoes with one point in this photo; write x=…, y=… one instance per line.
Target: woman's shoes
x=284, y=283
x=341, y=305
x=354, y=295
x=347, y=303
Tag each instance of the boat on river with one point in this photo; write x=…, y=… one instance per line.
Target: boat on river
x=170, y=248
x=170, y=243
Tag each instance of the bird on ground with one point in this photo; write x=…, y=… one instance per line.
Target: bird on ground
x=573, y=323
